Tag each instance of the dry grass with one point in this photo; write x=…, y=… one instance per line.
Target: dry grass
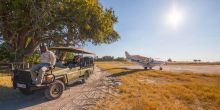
x=5, y=81
x=6, y=88
x=156, y=90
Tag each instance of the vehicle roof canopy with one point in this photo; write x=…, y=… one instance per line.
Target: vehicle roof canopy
x=71, y=49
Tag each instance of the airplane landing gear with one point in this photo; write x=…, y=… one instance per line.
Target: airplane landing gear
x=148, y=68
x=161, y=68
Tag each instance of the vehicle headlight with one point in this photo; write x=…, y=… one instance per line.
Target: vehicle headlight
x=50, y=78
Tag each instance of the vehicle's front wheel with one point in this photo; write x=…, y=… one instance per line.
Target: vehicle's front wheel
x=55, y=90
x=25, y=91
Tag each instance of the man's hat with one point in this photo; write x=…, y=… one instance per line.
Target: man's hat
x=43, y=46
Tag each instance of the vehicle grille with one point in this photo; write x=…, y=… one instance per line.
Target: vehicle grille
x=21, y=76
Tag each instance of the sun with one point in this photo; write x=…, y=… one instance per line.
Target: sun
x=175, y=17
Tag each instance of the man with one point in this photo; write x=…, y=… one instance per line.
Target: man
x=47, y=60
x=75, y=62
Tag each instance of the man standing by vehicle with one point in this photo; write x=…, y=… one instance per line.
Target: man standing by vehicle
x=47, y=60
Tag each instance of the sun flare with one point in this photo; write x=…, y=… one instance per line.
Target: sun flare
x=175, y=17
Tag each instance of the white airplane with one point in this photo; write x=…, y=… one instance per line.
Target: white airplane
x=147, y=63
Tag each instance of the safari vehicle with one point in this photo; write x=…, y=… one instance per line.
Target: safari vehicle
x=55, y=80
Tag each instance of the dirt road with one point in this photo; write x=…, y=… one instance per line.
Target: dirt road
x=209, y=69
x=77, y=97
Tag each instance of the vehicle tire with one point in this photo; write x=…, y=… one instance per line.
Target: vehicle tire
x=90, y=72
x=25, y=91
x=84, y=78
x=54, y=90
x=87, y=74
x=83, y=81
x=150, y=68
x=161, y=68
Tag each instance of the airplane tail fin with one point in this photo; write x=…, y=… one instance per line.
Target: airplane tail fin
x=127, y=54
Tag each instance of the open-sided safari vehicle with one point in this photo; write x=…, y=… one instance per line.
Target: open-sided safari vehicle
x=55, y=80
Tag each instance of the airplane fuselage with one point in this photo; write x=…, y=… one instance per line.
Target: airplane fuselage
x=144, y=61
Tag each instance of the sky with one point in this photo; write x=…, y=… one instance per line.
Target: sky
x=182, y=30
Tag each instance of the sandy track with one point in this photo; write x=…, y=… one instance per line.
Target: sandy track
x=77, y=97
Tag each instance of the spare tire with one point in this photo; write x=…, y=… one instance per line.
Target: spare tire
x=54, y=90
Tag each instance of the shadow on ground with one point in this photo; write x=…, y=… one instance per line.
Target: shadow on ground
x=6, y=92
x=125, y=73
x=101, y=70
x=128, y=71
x=12, y=99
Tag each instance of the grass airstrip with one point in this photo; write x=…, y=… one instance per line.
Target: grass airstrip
x=159, y=90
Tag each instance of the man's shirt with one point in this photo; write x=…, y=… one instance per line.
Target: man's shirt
x=48, y=57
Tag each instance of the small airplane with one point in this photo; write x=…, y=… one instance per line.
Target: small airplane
x=147, y=63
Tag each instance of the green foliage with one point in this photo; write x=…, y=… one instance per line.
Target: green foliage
x=105, y=58
x=110, y=58
x=34, y=58
x=5, y=55
x=69, y=56
x=120, y=59
x=169, y=60
x=24, y=24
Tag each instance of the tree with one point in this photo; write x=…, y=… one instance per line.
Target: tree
x=120, y=59
x=195, y=60
x=169, y=60
x=108, y=58
x=24, y=24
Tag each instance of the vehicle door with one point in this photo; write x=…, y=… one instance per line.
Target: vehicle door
x=73, y=73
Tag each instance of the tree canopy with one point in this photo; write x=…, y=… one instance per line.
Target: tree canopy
x=24, y=24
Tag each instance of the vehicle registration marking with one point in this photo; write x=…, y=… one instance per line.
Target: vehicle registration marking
x=21, y=85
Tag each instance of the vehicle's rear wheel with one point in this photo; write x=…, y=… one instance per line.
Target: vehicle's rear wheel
x=91, y=72
x=25, y=91
x=55, y=90
x=85, y=77
x=161, y=68
x=145, y=68
x=83, y=81
x=87, y=74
